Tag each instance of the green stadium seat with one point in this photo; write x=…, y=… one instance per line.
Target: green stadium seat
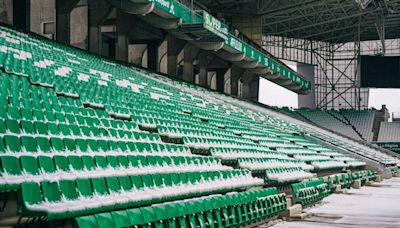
x=12, y=143
x=30, y=165
x=29, y=144
x=13, y=126
x=87, y=221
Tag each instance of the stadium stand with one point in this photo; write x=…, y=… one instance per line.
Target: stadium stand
x=389, y=132
x=330, y=120
x=370, y=152
x=89, y=139
x=341, y=141
x=352, y=123
x=361, y=120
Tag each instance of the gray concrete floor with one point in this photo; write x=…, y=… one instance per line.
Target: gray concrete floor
x=376, y=206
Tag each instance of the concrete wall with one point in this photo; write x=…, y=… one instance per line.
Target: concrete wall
x=163, y=57
x=212, y=80
x=6, y=11
x=227, y=80
x=79, y=25
x=43, y=17
x=307, y=71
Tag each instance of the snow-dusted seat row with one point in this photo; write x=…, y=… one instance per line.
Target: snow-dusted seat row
x=229, y=210
x=59, y=112
x=328, y=164
x=206, y=143
x=286, y=174
x=69, y=198
x=231, y=153
x=13, y=144
x=61, y=121
x=262, y=164
x=352, y=162
x=17, y=170
x=36, y=128
x=173, y=132
x=310, y=191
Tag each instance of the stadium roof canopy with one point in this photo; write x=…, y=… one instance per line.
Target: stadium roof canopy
x=334, y=21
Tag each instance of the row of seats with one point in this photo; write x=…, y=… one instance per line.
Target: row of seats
x=231, y=210
x=286, y=174
x=230, y=153
x=15, y=145
x=261, y=164
x=17, y=170
x=70, y=198
x=42, y=128
x=345, y=180
x=309, y=192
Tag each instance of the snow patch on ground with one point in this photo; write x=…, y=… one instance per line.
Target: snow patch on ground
x=374, y=206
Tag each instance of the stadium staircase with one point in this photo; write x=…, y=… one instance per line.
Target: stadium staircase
x=91, y=142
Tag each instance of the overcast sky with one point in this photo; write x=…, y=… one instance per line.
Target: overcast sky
x=390, y=97
x=275, y=95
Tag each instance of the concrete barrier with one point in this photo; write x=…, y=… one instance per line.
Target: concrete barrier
x=293, y=211
x=356, y=184
x=378, y=178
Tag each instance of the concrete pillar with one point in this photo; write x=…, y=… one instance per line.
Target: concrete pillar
x=98, y=12
x=190, y=54
x=227, y=84
x=162, y=56
x=211, y=80
x=124, y=23
x=136, y=52
x=245, y=91
x=203, y=76
x=94, y=40
x=220, y=74
x=152, y=55
x=63, y=19
x=204, y=59
x=6, y=12
x=307, y=71
x=236, y=74
x=175, y=46
x=249, y=86
x=79, y=25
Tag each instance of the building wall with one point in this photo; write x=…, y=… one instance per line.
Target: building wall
x=307, y=71
x=79, y=25
x=43, y=17
x=6, y=11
